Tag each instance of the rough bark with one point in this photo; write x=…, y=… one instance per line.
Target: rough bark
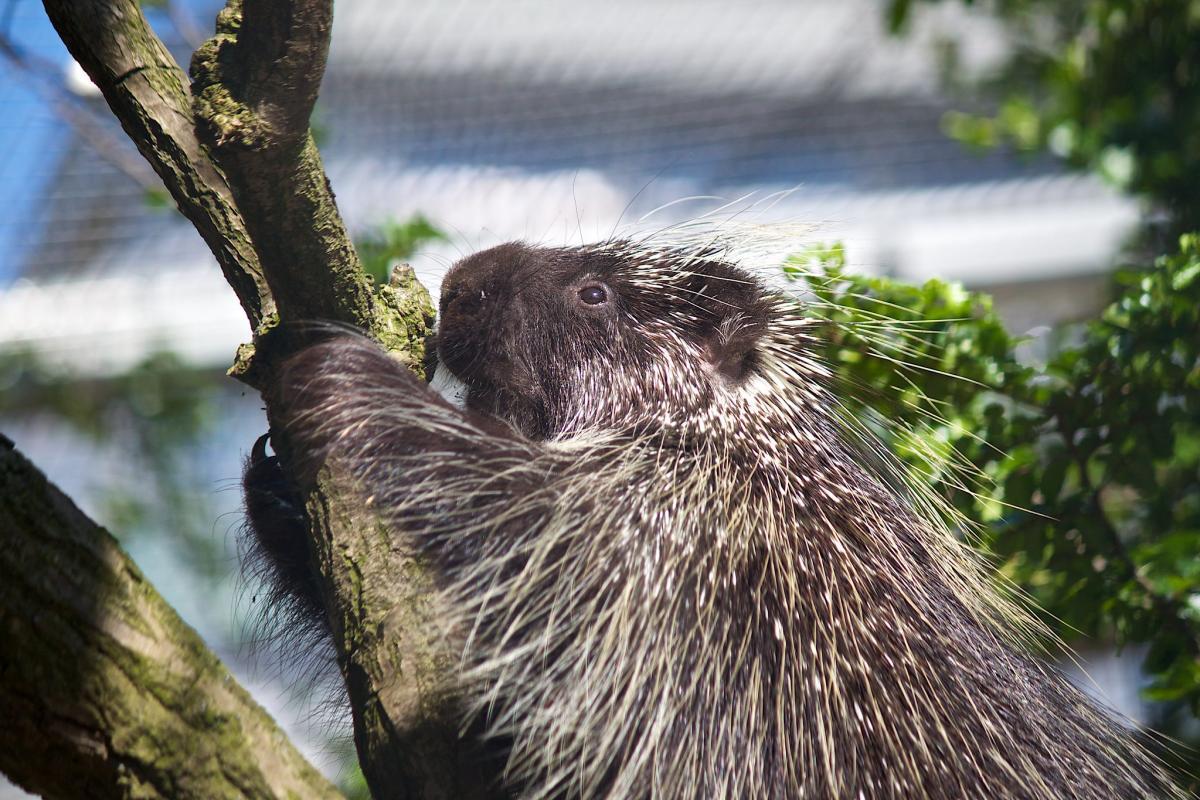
x=237, y=155
x=104, y=691
x=396, y=664
x=149, y=95
x=256, y=83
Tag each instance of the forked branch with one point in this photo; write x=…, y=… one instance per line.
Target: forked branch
x=237, y=155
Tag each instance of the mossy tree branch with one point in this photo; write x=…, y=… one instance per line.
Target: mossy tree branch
x=254, y=86
x=104, y=691
x=256, y=82
x=148, y=93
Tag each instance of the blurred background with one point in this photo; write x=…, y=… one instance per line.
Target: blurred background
x=1027, y=150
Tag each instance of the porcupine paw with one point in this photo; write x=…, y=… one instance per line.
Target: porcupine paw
x=276, y=539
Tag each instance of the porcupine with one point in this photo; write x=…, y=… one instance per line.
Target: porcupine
x=677, y=573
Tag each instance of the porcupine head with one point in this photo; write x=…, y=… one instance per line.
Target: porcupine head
x=673, y=570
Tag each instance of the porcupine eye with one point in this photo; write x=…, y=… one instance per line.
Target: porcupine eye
x=593, y=295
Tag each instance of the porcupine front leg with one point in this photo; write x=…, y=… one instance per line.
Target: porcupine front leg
x=423, y=464
x=276, y=548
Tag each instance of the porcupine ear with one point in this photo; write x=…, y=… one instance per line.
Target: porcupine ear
x=737, y=317
x=732, y=348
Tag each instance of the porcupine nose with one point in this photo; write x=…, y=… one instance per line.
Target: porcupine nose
x=464, y=303
x=468, y=290
x=472, y=293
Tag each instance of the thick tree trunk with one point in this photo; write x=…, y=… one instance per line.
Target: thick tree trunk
x=104, y=690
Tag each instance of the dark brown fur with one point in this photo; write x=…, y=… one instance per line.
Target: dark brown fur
x=712, y=592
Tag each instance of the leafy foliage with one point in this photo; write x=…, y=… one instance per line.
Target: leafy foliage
x=1093, y=458
x=1095, y=454
x=1111, y=456
x=1112, y=86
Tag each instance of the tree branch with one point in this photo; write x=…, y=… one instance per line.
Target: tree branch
x=398, y=668
x=255, y=83
x=104, y=691
x=148, y=93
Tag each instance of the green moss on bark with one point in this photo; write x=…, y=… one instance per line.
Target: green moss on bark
x=404, y=318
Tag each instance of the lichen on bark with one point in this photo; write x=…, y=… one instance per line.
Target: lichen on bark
x=404, y=318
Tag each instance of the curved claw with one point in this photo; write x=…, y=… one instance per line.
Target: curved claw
x=258, y=453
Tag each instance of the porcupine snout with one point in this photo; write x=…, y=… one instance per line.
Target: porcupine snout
x=477, y=286
x=473, y=292
x=464, y=303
